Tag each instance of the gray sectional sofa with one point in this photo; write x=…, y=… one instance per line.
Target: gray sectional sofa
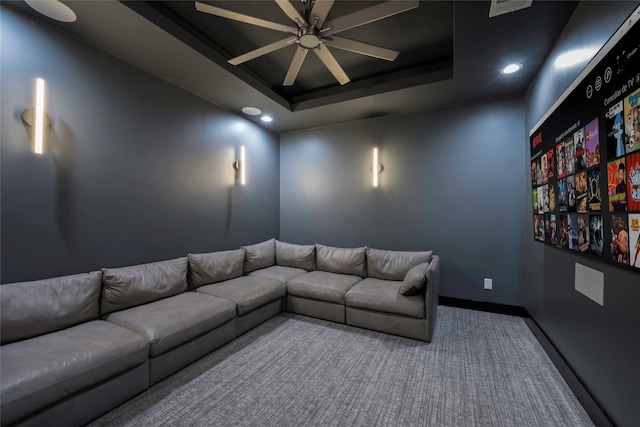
x=74, y=347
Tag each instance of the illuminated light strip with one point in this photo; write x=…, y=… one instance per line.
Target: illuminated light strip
x=39, y=115
x=243, y=166
x=375, y=167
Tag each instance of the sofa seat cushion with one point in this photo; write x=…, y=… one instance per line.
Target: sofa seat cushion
x=247, y=292
x=42, y=370
x=279, y=272
x=384, y=296
x=171, y=322
x=322, y=285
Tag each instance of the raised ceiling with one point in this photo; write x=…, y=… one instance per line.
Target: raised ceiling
x=422, y=35
x=451, y=53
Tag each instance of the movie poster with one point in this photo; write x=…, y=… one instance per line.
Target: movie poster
x=617, y=185
x=535, y=200
x=592, y=142
x=544, y=170
x=563, y=203
x=634, y=240
x=560, y=162
x=534, y=173
x=596, y=235
x=545, y=198
x=581, y=159
x=536, y=227
x=582, y=190
x=572, y=225
x=553, y=229
x=571, y=193
x=550, y=164
x=563, y=231
x=552, y=197
x=595, y=198
x=583, y=232
x=632, y=122
x=547, y=228
x=633, y=182
x=540, y=201
x=615, y=131
x=569, y=156
x=620, y=239
x=539, y=171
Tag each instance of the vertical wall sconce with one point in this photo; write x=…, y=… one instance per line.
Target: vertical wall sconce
x=376, y=168
x=37, y=118
x=240, y=166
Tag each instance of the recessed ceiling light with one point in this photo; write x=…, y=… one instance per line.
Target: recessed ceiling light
x=574, y=57
x=266, y=119
x=251, y=111
x=53, y=9
x=511, y=68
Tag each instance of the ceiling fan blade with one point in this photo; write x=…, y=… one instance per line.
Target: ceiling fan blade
x=262, y=51
x=294, y=68
x=213, y=10
x=330, y=62
x=361, y=48
x=368, y=15
x=320, y=10
x=289, y=10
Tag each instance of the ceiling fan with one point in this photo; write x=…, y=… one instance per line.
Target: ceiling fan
x=312, y=33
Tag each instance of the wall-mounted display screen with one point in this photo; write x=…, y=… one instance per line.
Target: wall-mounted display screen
x=585, y=162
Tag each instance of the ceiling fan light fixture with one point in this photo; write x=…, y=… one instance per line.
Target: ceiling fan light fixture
x=309, y=38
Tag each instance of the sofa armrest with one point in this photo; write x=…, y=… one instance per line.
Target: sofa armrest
x=431, y=294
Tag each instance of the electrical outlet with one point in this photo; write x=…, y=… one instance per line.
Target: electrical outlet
x=488, y=283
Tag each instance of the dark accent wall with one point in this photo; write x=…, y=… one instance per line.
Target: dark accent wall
x=452, y=182
x=600, y=343
x=135, y=170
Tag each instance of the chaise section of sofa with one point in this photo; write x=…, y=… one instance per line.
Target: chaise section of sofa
x=60, y=364
x=180, y=326
x=219, y=274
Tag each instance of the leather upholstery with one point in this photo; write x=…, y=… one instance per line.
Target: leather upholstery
x=382, y=295
x=214, y=267
x=297, y=256
x=414, y=280
x=139, y=284
x=30, y=309
x=389, y=323
x=352, y=261
x=322, y=285
x=260, y=255
x=393, y=265
x=171, y=322
x=278, y=272
x=42, y=370
x=247, y=292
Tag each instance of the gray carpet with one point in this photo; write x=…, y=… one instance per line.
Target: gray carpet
x=481, y=369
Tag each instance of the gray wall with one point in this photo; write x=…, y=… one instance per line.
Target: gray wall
x=452, y=182
x=136, y=170
x=601, y=344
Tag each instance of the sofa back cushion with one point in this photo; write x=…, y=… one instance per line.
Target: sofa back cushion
x=342, y=260
x=297, y=256
x=29, y=309
x=214, y=267
x=393, y=265
x=260, y=255
x=139, y=284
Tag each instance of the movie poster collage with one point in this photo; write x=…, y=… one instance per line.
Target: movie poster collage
x=569, y=208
